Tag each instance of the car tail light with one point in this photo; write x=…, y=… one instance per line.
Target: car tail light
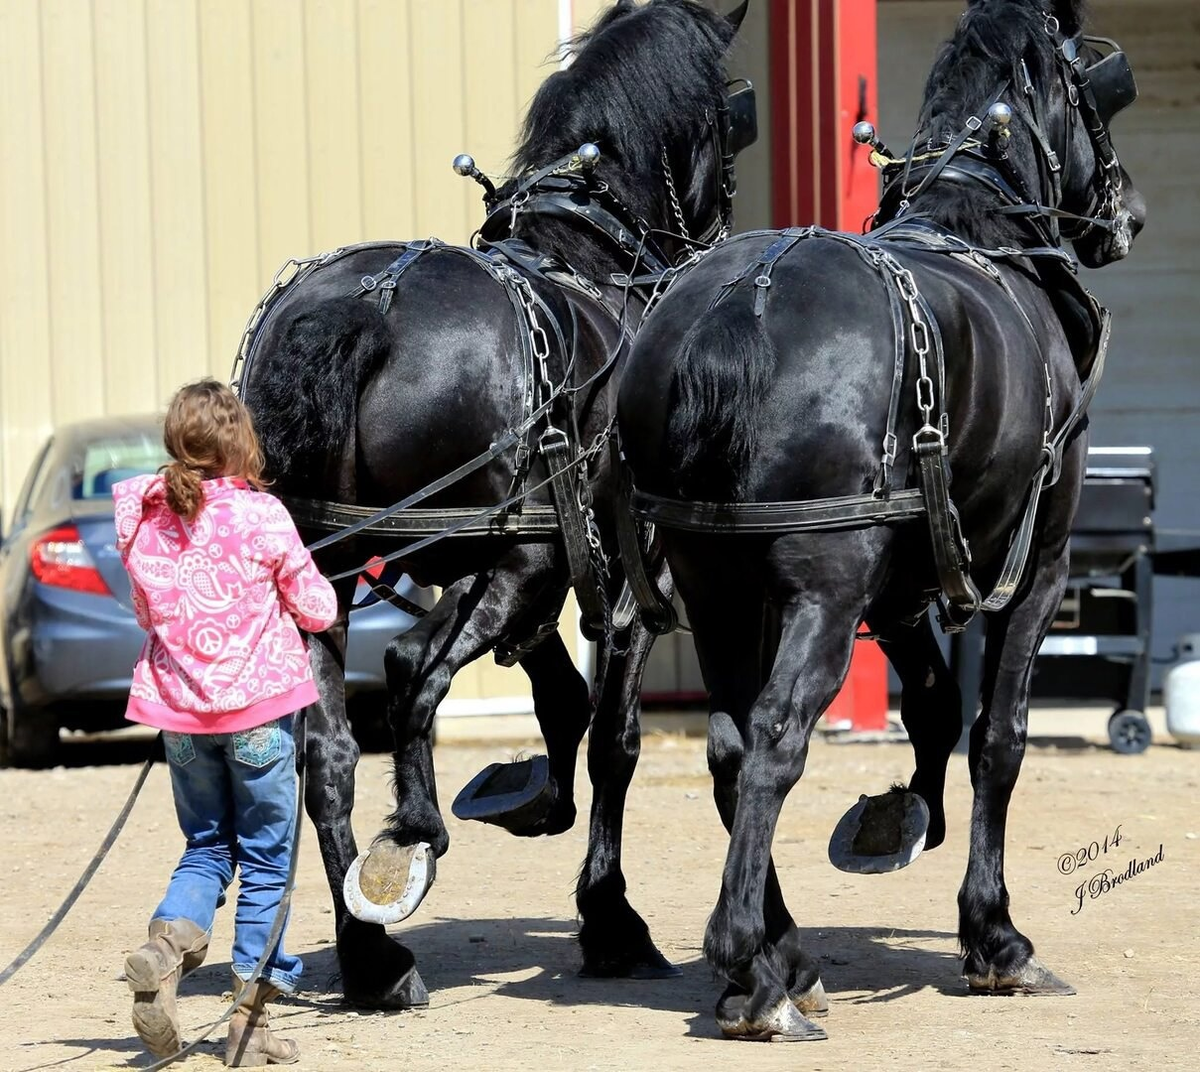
x=60, y=559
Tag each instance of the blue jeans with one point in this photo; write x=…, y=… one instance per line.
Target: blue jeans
x=235, y=796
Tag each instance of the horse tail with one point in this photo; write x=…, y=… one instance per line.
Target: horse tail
x=721, y=376
x=307, y=384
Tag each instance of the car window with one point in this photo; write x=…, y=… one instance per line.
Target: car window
x=35, y=480
x=107, y=461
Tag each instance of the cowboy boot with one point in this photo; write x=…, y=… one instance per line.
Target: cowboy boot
x=176, y=947
x=250, y=1042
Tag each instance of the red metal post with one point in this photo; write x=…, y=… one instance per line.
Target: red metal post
x=823, y=75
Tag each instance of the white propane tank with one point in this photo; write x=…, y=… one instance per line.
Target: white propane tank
x=1181, y=693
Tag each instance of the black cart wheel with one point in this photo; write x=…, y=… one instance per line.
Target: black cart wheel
x=1129, y=732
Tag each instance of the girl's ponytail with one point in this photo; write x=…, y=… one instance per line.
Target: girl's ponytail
x=185, y=493
x=209, y=434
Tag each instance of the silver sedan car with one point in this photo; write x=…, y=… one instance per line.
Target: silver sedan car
x=68, y=637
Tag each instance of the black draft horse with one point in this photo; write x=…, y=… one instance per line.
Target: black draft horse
x=766, y=375
x=363, y=401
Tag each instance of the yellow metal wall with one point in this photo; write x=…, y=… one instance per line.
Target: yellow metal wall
x=159, y=159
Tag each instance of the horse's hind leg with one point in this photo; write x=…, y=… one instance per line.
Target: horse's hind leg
x=931, y=710
x=613, y=937
x=998, y=957
x=388, y=882
x=563, y=708
x=376, y=970
x=734, y=679
x=813, y=656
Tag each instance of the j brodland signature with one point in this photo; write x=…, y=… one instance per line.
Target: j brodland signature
x=1101, y=883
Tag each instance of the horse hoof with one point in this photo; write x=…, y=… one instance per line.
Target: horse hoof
x=651, y=965
x=408, y=992
x=517, y=796
x=386, y=883
x=1033, y=979
x=783, y=1024
x=411, y=992
x=880, y=834
x=813, y=1002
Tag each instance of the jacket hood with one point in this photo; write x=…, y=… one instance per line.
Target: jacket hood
x=131, y=499
x=137, y=496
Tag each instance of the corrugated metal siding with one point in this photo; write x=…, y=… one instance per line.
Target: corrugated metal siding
x=159, y=159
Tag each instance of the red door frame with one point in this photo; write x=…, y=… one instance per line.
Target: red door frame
x=823, y=81
x=823, y=78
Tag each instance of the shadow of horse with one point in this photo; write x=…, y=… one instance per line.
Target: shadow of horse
x=537, y=959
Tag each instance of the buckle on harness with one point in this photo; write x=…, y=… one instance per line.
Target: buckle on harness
x=929, y=440
x=890, y=444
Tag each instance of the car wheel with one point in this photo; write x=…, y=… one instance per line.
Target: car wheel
x=28, y=738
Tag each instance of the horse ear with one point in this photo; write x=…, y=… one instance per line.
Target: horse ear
x=734, y=18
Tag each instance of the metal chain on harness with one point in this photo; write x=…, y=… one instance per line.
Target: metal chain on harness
x=918, y=334
x=288, y=273
x=673, y=195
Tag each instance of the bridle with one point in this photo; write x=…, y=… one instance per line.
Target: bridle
x=733, y=127
x=569, y=188
x=1096, y=92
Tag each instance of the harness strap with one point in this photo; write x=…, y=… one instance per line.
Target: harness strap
x=883, y=479
x=556, y=450
x=1033, y=209
x=563, y=205
x=819, y=515
x=951, y=552
x=383, y=590
x=386, y=280
x=951, y=555
x=761, y=270
x=493, y=452
x=466, y=522
x=658, y=612
x=532, y=522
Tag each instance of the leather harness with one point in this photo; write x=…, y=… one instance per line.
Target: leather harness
x=915, y=329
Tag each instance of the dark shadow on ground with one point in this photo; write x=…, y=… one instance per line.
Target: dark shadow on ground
x=109, y=1048
x=889, y=963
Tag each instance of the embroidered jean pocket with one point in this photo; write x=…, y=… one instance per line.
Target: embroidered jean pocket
x=258, y=747
x=179, y=748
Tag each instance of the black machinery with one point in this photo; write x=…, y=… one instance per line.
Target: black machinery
x=1099, y=645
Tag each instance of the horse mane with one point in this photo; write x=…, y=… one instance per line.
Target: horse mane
x=642, y=79
x=990, y=41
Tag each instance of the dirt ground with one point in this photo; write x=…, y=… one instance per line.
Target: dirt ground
x=494, y=937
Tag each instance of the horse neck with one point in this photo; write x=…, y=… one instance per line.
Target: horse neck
x=971, y=216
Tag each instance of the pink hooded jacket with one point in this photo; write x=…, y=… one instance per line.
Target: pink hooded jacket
x=221, y=597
